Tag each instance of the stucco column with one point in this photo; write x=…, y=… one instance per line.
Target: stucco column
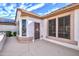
x=45, y=29
x=18, y=22
x=76, y=25
x=56, y=27
x=20, y=28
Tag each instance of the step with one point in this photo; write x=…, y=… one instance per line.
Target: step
x=25, y=39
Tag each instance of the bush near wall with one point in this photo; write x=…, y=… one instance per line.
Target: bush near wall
x=10, y=33
x=14, y=33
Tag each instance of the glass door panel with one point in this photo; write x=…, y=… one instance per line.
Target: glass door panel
x=23, y=27
x=64, y=27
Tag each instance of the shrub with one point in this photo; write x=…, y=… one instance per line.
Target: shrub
x=8, y=33
x=14, y=33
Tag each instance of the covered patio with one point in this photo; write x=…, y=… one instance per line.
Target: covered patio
x=39, y=48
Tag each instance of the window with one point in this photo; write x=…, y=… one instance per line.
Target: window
x=23, y=27
x=52, y=27
x=64, y=27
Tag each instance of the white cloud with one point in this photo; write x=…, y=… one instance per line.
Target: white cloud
x=3, y=13
x=40, y=14
x=49, y=11
x=23, y=6
x=3, y=4
x=36, y=7
x=30, y=5
x=9, y=8
x=11, y=16
x=54, y=3
x=1, y=9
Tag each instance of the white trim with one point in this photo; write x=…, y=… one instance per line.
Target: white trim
x=21, y=26
x=20, y=31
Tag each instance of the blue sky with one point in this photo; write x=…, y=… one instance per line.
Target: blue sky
x=8, y=10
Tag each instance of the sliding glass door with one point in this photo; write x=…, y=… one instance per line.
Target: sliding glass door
x=64, y=27
x=24, y=27
x=52, y=27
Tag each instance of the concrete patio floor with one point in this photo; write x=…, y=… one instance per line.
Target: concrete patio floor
x=38, y=48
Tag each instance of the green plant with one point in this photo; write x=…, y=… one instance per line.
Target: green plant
x=14, y=33
x=8, y=33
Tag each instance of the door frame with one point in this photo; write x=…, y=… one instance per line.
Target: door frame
x=34, y=30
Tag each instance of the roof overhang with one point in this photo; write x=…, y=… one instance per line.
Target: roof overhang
x=25, y=13
x=68, y=8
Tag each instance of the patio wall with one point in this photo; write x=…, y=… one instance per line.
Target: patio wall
x=7, y=28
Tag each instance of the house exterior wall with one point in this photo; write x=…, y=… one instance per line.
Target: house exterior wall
x=61, y=15
x=42, y=29
x=45, y=28
x=18, y=23
x=74, y=30
x=30, y=26
x=76, y=25
x=19, y=28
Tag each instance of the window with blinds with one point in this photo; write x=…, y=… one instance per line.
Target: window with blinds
x=52, y=27
x=64, y=27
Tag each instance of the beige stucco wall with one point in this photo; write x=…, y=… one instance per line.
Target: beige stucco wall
x=44, y=25
x=76, y=25
x=18, y=23
x=74, y=29
x=45, y=28
x=61, y=15
x=30, y=26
